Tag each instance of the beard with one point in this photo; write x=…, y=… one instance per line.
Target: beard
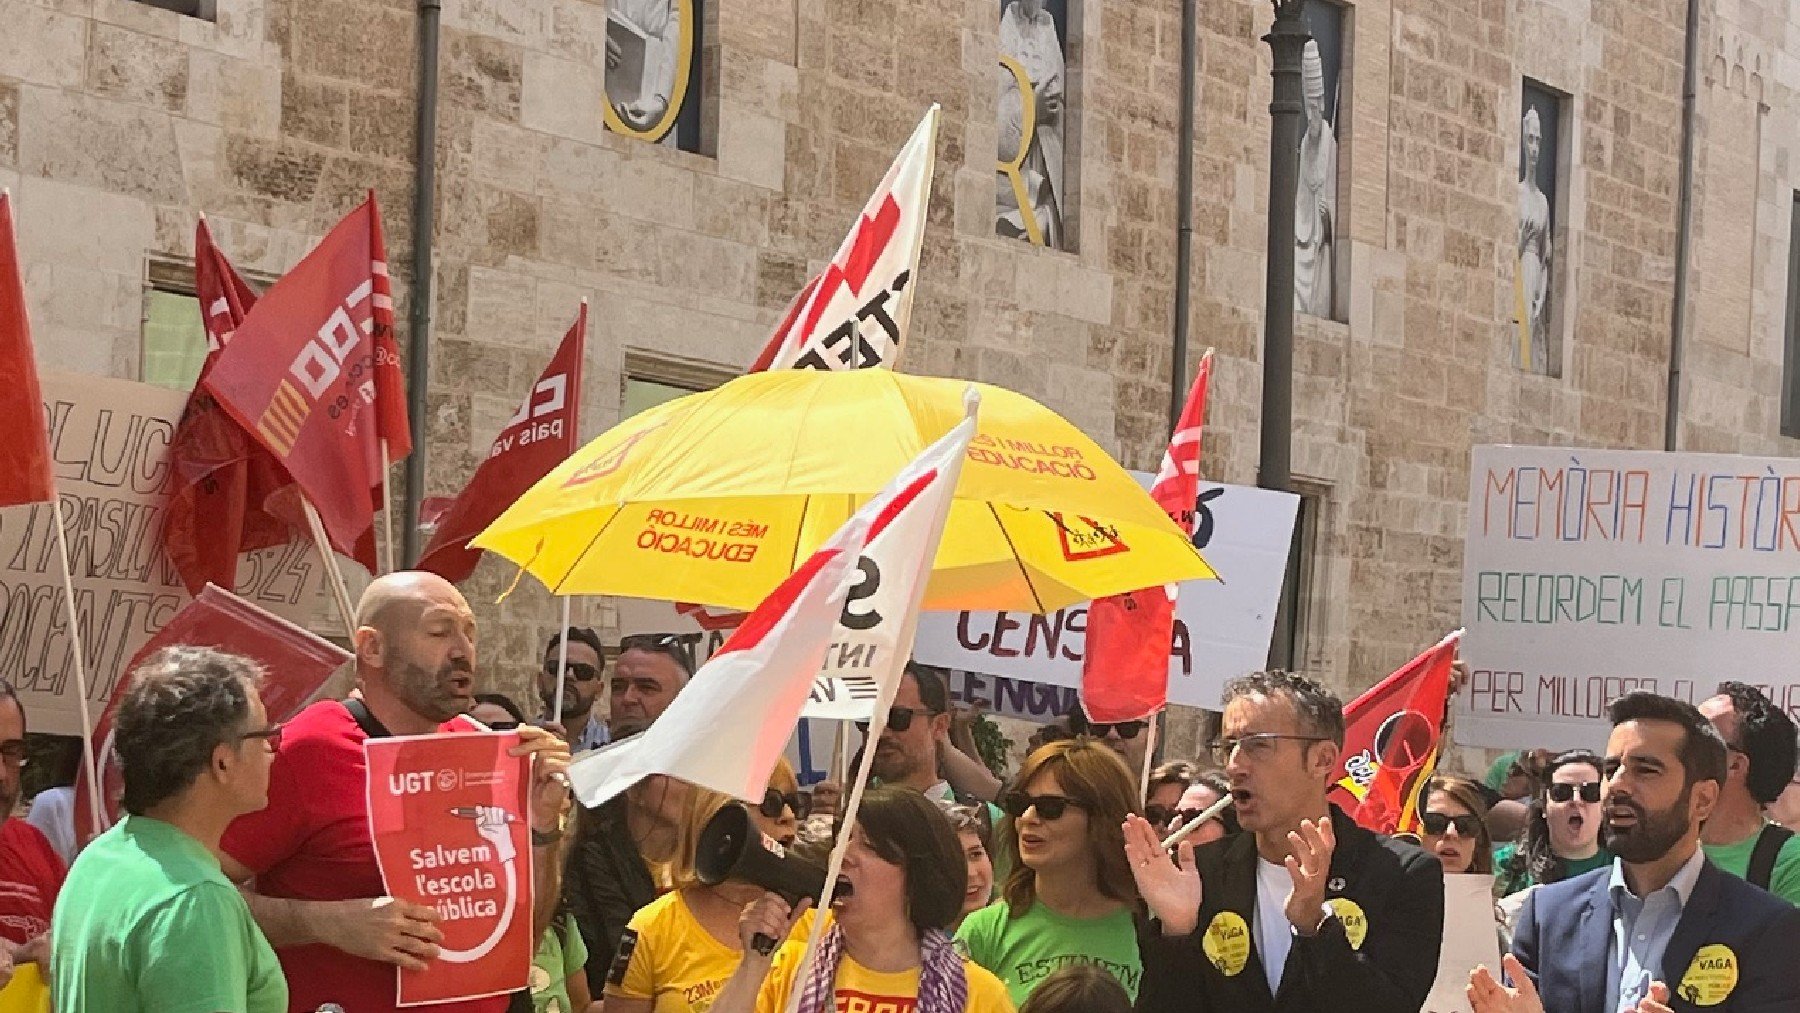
x=893, y=766
x=427, y=693
x=1651, y=836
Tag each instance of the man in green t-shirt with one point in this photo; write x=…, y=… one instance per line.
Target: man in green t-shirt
x=1760, y=740
x=146, y=920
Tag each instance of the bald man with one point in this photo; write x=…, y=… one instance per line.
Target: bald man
x=317, y=892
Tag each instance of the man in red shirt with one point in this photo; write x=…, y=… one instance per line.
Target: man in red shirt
x=318, y=894
x=31, y=872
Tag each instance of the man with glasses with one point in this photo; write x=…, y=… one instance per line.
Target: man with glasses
x=1304, y=911
x=1125, y=738
x=31, y=872
x=907, y=752
x=650, y=670
x=147, y=920
x=1760, y=757
x=575, y=711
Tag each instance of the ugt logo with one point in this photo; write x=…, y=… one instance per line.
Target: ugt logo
x=325, y=359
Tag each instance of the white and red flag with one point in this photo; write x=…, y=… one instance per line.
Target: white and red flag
x=854, y=315
x=314, y=374
x=727, y=728
x=538, y=438
x=1125, y=671
x=25, y=471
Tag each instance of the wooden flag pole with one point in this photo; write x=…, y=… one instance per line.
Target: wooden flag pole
x=387, y=510
x=333, y=576
x=1149, y=758
x=81, y=682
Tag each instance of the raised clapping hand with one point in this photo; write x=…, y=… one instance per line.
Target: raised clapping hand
x=1487, y=995
x=1170, y=889
x=1309, y=865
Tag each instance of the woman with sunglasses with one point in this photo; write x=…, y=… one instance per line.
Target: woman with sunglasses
x=1562, y=831
x=885, y=944
x=1168, y=783
x=1454, y=829
x=1070, y=894
x=678, y=951
x=976, y=835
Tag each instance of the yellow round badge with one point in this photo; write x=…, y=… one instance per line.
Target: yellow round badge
x=1356, y=924
x=1711, y=976
x=1227, y=942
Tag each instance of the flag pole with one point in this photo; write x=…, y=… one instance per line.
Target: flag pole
x=333, y=575
x=387, y=509
x=81, y=682
x=1149, y=756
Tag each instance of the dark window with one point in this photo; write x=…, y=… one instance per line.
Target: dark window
x=206, y=10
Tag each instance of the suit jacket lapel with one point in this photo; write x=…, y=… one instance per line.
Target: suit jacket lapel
x=1593, y=932
x=1692, y=930
x=1238, y=893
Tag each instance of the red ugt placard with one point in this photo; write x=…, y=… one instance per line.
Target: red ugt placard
x=450, y=819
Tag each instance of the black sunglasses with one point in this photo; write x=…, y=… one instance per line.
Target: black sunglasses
x=580, y=671
x=1126, y=729
x=1158, y=814
x=502, y=726
x=774, y=801
x=1049, y=807
x=899, y=719
x=1563, y=792
x=1436, y=823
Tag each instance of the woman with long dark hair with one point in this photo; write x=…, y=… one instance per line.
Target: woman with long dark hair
x=1069, y=895
x=885, y=944
x=1562, y=830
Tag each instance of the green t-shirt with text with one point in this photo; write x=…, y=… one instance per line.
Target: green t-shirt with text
x=1023, y=951
x=147, y=922
x=1784, y=881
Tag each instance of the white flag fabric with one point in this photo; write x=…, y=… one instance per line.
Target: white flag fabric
x=726, y=728
x=855, y=314
x=875, y=629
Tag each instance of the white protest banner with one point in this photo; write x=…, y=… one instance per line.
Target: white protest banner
x=1591, y=573
x=1470, y=940
x=1222, y=627
x=110, y=442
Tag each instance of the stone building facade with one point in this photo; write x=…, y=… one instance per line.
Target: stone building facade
x=121, y=121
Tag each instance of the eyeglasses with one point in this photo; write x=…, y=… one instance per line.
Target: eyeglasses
x=271, y=736
x=1466, y=825
x=1126, y=729
x=580, y=671
x=13, y=753
x=1256, y=747
x=502, y=726
x=1563, y=792
x=899, y=719
x=1158, y=814
x=774, y=801
x=1049, y=807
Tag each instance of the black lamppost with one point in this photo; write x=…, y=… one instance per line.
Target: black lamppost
x=1287, y=40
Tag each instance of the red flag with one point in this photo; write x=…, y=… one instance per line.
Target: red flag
x=296, y=663
x=313, y=372
x=1391, y=741
x=223, y=479
x=1125, y=670
x=540, y=437
x=25, y=475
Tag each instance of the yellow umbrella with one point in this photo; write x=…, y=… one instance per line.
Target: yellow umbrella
x=716, y=497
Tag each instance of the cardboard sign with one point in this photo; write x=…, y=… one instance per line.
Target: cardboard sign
x=110, y=441
x=1222, y=627
x=1470, y=939
x=1592, y=573
x=450, y=818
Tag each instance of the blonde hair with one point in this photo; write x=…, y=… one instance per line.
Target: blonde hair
x=702, y=806
x=1093, y=775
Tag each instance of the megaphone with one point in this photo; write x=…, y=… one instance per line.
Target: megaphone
x=731, y=847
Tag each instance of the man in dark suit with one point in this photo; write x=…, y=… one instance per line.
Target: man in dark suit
x=1305, y=910
x=1661, y=930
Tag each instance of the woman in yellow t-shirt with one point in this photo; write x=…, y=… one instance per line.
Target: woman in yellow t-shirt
x=886, y=948
x=678, y=950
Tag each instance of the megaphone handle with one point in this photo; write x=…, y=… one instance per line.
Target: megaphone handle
x=762, y=944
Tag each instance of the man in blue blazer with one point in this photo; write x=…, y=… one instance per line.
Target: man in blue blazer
x=1661, y=930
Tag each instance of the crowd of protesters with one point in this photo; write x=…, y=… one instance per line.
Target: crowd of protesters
x=1659, y=874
